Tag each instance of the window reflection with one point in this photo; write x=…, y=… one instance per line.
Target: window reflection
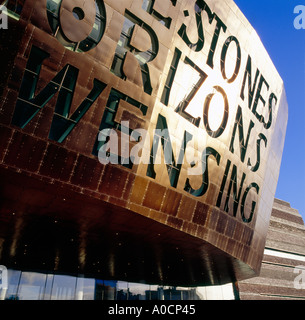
x=85, y=289
x=137, y=291
x=122, y=292
x=31, y=286
x=13, y=283
x=63, y=288
x=105, y=290
x=48, y=287
x=39, y=286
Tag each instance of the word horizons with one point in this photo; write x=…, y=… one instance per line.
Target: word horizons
x=255, y=93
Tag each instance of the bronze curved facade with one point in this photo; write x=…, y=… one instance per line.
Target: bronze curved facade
x=198, y=112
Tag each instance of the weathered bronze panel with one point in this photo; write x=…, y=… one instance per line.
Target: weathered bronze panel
x=161, y=123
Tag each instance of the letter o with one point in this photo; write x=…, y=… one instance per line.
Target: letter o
x=206, y=109
x=224, y=56
x=77, y=19
x=77, y=24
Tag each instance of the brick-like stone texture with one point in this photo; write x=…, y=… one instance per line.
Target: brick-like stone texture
x=284, y=255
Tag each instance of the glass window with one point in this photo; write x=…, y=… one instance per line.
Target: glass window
x=31, y=286
x=48, y=287
x=13, y=283
x=138, y=291
x=109, y=290
x=39, y=286
x=63, y=288
x=14, y=7
x=85, y=289
x=122, y=290
x=53, y=6
x=147, y=5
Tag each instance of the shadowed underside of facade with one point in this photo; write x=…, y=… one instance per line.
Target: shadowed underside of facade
x=48, y=227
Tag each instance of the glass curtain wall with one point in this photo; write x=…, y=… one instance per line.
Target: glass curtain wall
x=23, y=285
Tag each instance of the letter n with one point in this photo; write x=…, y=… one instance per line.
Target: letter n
x=243, y=143
x=173, y=167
